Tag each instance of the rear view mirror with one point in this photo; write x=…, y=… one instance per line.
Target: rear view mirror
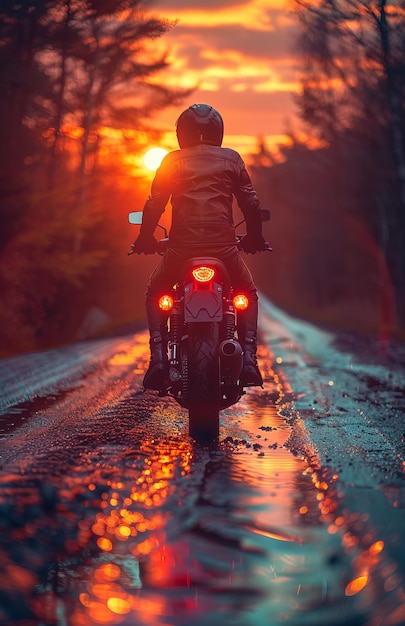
x=135, y=217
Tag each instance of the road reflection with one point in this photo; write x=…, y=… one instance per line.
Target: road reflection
x=156, y=530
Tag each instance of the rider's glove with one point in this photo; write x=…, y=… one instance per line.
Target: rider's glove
x=252, y=243
x=144, y=244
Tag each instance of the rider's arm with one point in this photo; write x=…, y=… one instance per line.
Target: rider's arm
x=150, y=218
x=156, y=202
x=248, y=202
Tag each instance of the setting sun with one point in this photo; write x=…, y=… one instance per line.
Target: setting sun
x=153, y=158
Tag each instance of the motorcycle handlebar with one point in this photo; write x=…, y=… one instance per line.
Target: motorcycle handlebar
x=135, y=217
x=162, y=244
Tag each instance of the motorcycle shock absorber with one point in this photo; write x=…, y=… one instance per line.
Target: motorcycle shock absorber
x=175, y=334
x=229, y=321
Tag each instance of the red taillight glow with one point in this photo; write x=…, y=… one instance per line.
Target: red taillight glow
x=203, y=274
x=166, y=303
x=240, y=302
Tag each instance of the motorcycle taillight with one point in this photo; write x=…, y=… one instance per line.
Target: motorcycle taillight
x=240, y=302
x=203, y=274
x=166, y=303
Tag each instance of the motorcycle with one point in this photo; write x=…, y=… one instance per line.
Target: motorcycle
x=205, y=358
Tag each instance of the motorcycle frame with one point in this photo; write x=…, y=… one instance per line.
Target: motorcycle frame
x=177, y=335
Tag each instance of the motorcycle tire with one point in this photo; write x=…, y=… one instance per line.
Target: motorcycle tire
x=204, y=383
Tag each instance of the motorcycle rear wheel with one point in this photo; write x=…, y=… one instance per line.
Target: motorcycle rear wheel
x=204, y=383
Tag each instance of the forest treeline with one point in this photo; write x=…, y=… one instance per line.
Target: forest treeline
x=77, y=88
x=339, y=210
x=79, y=82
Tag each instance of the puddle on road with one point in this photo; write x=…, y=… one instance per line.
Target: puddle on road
x=157, y=531
x=14, y=417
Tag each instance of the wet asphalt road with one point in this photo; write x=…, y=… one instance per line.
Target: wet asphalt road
x=111, y=514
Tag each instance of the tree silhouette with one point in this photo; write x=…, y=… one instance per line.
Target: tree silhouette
x=69, y=69
x=352, y=96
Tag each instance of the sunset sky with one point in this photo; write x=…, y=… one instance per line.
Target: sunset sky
x=239, y=53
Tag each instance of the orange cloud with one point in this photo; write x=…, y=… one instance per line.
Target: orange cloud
x=238, y=55
x=253, y=12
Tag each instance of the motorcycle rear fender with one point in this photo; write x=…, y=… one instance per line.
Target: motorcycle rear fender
x=203, y=304
x=221, y=271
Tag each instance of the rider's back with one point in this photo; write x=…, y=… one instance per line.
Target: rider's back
x=202, y=181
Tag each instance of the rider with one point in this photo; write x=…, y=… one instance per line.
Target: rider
x=201, y=179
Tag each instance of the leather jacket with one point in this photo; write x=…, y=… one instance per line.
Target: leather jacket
x=200, y=182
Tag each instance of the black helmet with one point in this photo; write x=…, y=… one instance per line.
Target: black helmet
x=200, y=123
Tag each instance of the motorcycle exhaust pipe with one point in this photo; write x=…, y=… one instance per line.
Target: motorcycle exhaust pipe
x=231, y=360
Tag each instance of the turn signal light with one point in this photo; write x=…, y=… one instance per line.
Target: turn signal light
x=166, y=303
x=240, y=302
x=203, y=274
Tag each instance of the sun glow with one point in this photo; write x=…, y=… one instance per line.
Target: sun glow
x=153, y=158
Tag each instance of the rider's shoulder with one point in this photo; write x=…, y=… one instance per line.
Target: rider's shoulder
x=171, y=156
x=231, y=154
x=204, y=150
x=225, y=153
x=169, y=161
